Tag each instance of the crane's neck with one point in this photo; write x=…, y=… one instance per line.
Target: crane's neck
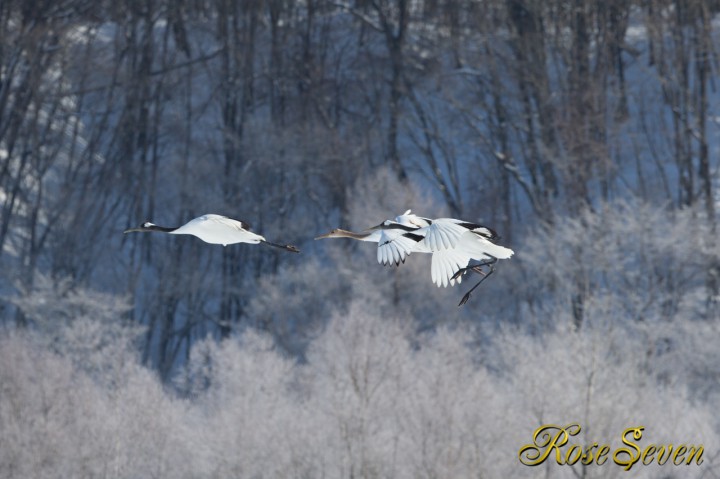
x=369, y=236
x=148, y=227
x=162, y=229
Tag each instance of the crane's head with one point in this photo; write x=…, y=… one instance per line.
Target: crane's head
x=387, y=224
x=410, y=219
x=407, y=221
x=336, y=233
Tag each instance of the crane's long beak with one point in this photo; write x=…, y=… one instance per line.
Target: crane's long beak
x=134, y=230
x=327, y=235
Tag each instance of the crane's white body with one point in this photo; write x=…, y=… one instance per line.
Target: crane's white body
x=217, y=229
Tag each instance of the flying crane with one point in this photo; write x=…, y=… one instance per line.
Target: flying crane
x=214, y=229
x=456, y=246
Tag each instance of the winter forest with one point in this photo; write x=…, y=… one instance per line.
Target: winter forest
x=585, y=132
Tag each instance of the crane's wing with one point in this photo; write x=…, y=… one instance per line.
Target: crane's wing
x=224, y=220
x=470, y=246
x=444, y=233
x=395, y=245
x=444, y=264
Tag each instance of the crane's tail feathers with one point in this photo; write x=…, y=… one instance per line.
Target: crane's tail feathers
x=497, y=251
x=287, y=247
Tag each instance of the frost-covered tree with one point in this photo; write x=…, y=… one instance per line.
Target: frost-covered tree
x=372, y=399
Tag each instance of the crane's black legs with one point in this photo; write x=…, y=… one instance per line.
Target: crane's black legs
x=287, y=247
x=477, y=268
x=485, y=276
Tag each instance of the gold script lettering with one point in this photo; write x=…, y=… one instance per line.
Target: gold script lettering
x=625, y=456
x=602, y=455
x=553, y=438
x=696, y=453
x=546, y=439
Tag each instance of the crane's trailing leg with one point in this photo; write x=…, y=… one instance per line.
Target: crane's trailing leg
x=485, y=276
x=477, y=268
x=287, y=247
